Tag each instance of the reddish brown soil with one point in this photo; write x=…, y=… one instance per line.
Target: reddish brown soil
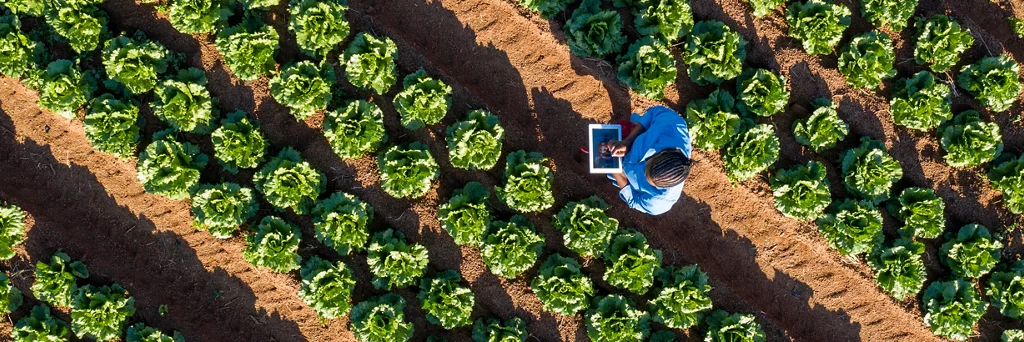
x=515, y=64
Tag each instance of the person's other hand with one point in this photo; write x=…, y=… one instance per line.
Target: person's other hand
x=617, y=148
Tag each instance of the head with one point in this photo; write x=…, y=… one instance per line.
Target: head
x=667, y=168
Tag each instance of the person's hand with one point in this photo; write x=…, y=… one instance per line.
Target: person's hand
x=616, y=148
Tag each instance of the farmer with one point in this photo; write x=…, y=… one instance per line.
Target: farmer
x=656, y=160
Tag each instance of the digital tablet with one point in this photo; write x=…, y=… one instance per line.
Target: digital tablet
x=603, y=162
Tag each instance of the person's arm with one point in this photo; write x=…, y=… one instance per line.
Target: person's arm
x=620, y=148
x=621, y=180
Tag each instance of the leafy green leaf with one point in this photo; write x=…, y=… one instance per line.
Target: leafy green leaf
x=895, y=13
x=546, y=8
x=869, y=171
x=222, y=208
x=78, y=22
x=327, y=287
x=393, y=261
x=666, y=20
x=341, y=222
x=819, y=25
x=12, y=230
x=588, y=229
x=969, y=141
x=424, y=100
x=993, y=81
x=17, y=52
x=1006, y=291
x=304, y=88
x=972, y=253
x=142, y=333
x=631, y=262
x=274, y=245
x=561, y=286
x=761, y=92
x=615, y=318
x=63, y=89
x=940, y=41
x=752, y=152
x=40, y=326
x=10, y=296
x=714, y=53
x=528, y=183
x=736, y=327
x=134, y=63
x=763, y=7
x=101, y=313
x=823, y=129
x=868, y=60
x=238, y=143
x=466, y=215
x=682, y=298
x=287, y=181
x=1018, y=27
x=713, y=121
x=952, y=308
x=169, y=167
x=184, y=102
x=446, y=301
x=381, y=319
x=408, y=171
x=802, y=192
x=852, y=227
x=199, y=16
x=899, y=267
x=318, y=26
x=34, y=8
x=647, y=67
x=921, y=212
x=475, y=143
x=494, y=330
x=1013, y=335
x=593, y=32
x=112, y=126
x=56, y=281
x=370, y=63
x=355, y=129
x=510, y=248
x=248, y=52
x=1008, y=178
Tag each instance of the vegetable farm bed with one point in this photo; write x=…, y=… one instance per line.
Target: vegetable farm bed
x=499, y=56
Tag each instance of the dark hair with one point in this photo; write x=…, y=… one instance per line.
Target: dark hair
x=668, y=168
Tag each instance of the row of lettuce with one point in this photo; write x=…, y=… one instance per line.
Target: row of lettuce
x=134, y=66
x=715, y=54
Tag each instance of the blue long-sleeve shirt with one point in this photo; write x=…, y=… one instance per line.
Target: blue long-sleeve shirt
x=665, y=129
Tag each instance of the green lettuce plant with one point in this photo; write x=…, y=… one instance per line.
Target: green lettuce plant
x=869, y=171
x=615, y=318
x=393, y=261
x=34, y=8
x=528, y=183
x=1013, y=335
x=77, y=22
x=594, y=32
x=184, y=102
x=370, y=63
x=801, y=192
x=1008, y=177
x=238, y=143
x=10, y=296
x=40, y=326
x=18, y=52
x=101, y=313
x=354, y=129
x=631, y=262
x=852, y=227
x=304, y=88
x=446, y=301
x=318, y=26
x=199, y=16
x=952, y=308
x=817, y=24
x=751, y=152
x=136, y=63
x=736, y=327
x=327, y=287
x=63, y=89
x=899, y=267
x=1006, y=290
x=713, y=121
x=381, y=319
x=248, y=50
x=586, y=226
x=921, y=212
x=714, y=53
x=761, y=92
x=287, y=181
x=494, y=330
x=920, y=102
x=342, y=222
x=561, y=286
x=12, y=230
x=761, y=8
x=682, y=297
x=823, y=129
x=259, y=4
x=57, y=281
x=142, y=333
x=220, y=209
x=647, y=67
x=475, y=143
x=546, y=8
x=112, y=126
x=868, y=60
x=666, y=20
x=969, y=141
x=972, y=252
x=993, y=81
x=939, y=42
x=423, y=101
x=895, y=13
x=467, y=215
x=510, y=248
x=407, y=171
x=1018, y=27
x=169, y=167
x=274, y=245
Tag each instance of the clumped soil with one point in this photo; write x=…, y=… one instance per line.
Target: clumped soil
x=500, y=57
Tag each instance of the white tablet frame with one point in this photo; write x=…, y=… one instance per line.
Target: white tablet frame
x=593, y=147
